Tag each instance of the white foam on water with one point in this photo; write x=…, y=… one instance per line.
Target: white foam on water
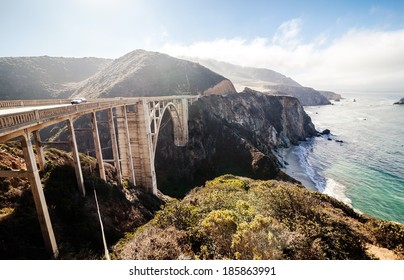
x=302, y=152
x=322, y=184
x=337, y=191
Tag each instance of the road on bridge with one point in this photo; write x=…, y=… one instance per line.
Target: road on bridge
x=7, y=111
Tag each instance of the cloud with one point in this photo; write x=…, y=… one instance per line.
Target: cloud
x=359, y=60
x=287, y=34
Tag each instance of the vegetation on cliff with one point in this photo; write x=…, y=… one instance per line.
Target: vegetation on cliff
x=239, y=218
x=230, y=217
x=74, y=218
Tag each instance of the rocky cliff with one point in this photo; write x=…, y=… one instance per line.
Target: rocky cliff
x=44, y=77
x=143, y=73
x=235, y=134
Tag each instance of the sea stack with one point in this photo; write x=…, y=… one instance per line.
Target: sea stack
x=401, y=102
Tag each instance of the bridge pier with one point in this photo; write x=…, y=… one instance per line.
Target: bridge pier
x=97, y=147
x=114, y=144
x=39, y=197
x=125, y=151
x=76, y=157
x=142, y=147
x=39, y=150
x=181, y=130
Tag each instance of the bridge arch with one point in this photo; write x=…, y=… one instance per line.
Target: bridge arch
x=180, y=129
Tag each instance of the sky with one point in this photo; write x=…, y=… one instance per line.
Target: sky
x=344, y=46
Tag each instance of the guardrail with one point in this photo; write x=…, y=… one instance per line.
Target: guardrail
x=21, y=103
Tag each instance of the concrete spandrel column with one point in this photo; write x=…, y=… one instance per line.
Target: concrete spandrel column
x=76, y=158
x=125, y=150
x=97, y=146
x=114, y=144
x=38, y=195
x=142, y=147
x=39, y=150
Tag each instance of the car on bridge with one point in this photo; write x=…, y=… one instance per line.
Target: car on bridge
x=78, y=100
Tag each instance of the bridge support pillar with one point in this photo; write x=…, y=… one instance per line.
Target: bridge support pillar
x=97, y=147
x=142, y=146
x=114, y=144
x=181, y=133
x=125, y=150
x=76, y=157
x=39, y=150
x=39, y=197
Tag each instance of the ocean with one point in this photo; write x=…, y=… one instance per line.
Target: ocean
x=366, y=169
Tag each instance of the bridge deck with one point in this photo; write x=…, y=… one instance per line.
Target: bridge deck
x=16, y=115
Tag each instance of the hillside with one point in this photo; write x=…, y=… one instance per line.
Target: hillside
x=263, y=79
x=239, y=218
x=143, y=73
x=307, y=96
x=74, y=218
x=246, y=76
x=44, y=77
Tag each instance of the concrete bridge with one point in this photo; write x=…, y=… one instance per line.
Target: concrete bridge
x=133, y=139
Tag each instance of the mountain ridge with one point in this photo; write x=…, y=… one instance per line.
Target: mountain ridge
x=44, y=77
x=144, y=73
x=266, y=80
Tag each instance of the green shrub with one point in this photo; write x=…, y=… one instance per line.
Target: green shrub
x=255, y=240
x=219, y=226
x=177, y=214
x=387, y=234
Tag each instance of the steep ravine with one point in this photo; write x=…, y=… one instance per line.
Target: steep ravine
x=235, y=134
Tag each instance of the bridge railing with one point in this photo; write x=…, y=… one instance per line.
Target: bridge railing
x=21, y=103
x=15, y=121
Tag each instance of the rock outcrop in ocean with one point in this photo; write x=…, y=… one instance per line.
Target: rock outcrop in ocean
x=401, y=102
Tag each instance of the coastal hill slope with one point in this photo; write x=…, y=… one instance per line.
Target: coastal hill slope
x=144, y=73
x=230, y=217
x=44, y=77
x=234, y=217
x=246, y=76
x=267, y=80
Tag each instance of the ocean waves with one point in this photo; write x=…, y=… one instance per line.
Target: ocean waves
x=366, y=170
x=313, y=170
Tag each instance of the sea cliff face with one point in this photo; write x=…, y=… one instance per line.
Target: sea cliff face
x=235, y=134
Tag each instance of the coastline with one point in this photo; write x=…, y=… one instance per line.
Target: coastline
x=294, y=169
x=317, y=182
